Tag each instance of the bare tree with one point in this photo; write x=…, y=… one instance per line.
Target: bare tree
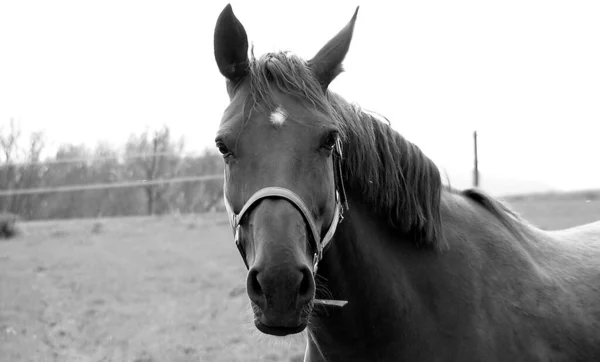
x=31, y=175
x=163, y=160
x=68, y=204
x=207, y=195
x=149, y=155
x=9, y=142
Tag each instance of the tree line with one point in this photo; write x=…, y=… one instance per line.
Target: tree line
x=164, y=158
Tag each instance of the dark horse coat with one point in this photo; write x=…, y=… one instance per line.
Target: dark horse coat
x=428, y=273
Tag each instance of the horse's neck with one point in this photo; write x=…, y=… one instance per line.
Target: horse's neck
x=393, y=286
x=370, y=267
x=483, y=239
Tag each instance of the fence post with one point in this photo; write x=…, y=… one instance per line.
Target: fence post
x=476, y=161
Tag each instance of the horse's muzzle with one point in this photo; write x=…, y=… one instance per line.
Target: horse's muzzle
x=282, y=298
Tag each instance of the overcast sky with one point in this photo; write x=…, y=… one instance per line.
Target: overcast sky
x=524, y=73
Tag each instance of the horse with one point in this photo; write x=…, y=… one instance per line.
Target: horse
x=350, y=237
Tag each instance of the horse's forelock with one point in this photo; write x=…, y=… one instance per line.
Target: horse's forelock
x=286, y=73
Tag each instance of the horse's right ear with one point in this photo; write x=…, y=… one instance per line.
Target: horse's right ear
x=231, y=46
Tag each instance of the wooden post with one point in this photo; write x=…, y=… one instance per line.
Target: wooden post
x=476, y=161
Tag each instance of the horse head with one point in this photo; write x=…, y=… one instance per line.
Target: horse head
x=280, y=141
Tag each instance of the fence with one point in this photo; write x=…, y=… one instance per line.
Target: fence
x=16, y=190
x=88, y=159
x=102, y=186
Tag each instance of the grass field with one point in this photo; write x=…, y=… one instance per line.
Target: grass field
x=552, y=212
x=152, y=289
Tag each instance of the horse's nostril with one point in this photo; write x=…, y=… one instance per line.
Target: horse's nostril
x=306, y=288
x=255, y=291
x=254, y=283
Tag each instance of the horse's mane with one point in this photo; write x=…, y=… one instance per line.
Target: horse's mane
x=393, y=176
x=508, y=217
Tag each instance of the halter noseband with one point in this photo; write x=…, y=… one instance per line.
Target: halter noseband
x=319, y=244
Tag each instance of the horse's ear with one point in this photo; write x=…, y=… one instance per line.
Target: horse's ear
x=327, y=63
x=231, y=45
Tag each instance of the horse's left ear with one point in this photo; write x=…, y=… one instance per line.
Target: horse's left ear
x=327, y=63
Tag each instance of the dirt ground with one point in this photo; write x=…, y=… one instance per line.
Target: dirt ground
x=151, y=289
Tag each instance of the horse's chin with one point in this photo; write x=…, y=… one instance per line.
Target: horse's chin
x=278, y=331
x=276, y=327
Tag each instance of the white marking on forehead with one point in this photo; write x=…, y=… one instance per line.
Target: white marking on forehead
x=278, y=116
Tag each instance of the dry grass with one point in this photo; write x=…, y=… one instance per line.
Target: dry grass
x=151, y=289
x=553, y=213
x=139, y=289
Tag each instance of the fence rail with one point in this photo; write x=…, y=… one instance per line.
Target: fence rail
x=112, y=185
x=96, y=158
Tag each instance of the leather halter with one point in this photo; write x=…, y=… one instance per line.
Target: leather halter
x=319, y=244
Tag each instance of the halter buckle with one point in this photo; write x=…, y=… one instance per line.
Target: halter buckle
x=238, y=244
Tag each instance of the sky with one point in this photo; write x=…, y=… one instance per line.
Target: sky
x=525, y=74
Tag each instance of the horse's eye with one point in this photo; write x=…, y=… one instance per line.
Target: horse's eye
x=330, y=141
x=223, y=149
